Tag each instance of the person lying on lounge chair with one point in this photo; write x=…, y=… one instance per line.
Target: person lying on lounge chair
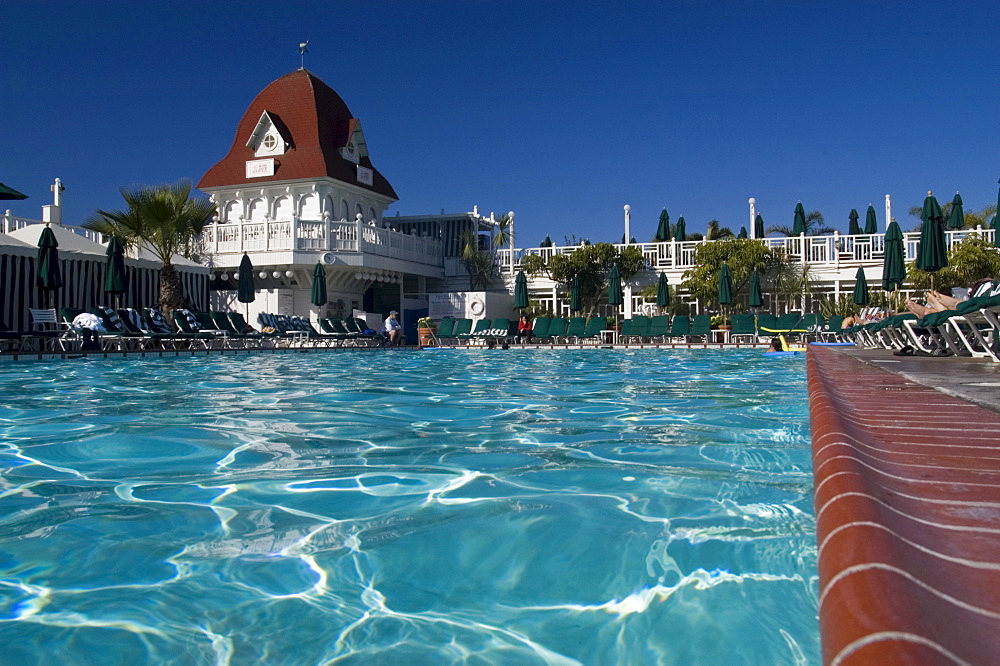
x=938, y=302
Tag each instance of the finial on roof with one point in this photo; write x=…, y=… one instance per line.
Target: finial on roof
x=303, y=51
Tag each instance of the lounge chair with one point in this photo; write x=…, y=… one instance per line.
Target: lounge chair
x=831, y=332
x=625, y=331
x=463, y=327
x=116, y=335
x=445, y=330
x=592, y=332
x=10, y=340
x=235, y=335
x=557, y=329
x=540, y=328
x=47, y=332
x=340, y=328
x=701, y=327
x=744, y=328
x=135, y=322
x=189, y=327
x=640, y=328
x=501, y=330
x=765, y=324
x=478, y=333
x=574, y=329
x=659, y=328
x=680, y=326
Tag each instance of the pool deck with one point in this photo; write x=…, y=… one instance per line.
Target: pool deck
x=907, y=492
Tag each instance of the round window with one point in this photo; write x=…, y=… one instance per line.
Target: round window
x=270, y=142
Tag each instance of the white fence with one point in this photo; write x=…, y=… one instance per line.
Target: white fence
x=818, y=251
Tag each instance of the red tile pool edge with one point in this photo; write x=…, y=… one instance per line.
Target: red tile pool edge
x=908, y=518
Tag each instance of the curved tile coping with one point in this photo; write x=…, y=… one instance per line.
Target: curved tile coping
x=907, y=518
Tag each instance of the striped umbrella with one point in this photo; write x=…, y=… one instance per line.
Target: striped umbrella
x=853, y=229
x=860, y=288
x=871, y=224
x=956, y=220
x=662, y=292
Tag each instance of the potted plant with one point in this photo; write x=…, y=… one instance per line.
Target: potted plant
x=425, y=331
x=721, y=322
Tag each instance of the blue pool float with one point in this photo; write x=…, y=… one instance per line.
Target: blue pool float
x=782, y=353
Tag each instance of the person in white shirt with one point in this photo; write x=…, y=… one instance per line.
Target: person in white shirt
x=394, y=329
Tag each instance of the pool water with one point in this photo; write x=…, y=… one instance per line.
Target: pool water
x=481, y=507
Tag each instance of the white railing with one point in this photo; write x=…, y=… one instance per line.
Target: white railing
x=9, y=223
x=819, y=251
x=318, y=236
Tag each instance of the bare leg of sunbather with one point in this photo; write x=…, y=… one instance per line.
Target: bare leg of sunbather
x=918, y=309
x=939, y=301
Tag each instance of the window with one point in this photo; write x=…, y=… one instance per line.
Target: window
x=270, y=142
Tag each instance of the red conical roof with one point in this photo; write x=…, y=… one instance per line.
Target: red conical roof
x=317, y=123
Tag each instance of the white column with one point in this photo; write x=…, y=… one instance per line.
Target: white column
x=628, y=285
x=753, y=215
x=888, y=211
x=510, y=214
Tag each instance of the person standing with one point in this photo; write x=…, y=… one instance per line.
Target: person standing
x=393, y=329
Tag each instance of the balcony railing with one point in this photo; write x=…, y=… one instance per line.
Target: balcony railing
x=318, y=236
x=820, y=251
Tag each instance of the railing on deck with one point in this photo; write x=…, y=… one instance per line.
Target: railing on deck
x=318, y=236
x=9, y=223
x=819, y=251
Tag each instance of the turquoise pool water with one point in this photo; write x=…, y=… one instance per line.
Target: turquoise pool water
x=481, y=507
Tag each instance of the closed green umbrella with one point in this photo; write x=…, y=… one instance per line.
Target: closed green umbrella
x=758, y=226
x=246, y=291
x=894, y=264
x=10, y=194
x=956, y=220
x=615, y=295
x=871, y=224
x=743, y=232
x=663, y=229
x=853, y=229
x=662, y=292
x=799, y=226
x=932, y=255
x=520, y=291
x=48, y=276
x=860, y=288
x=115, y=271
x=575, y=299
x=680, y=230
x=756, y=296
x=318, y=295
x=547, y=242
x=725, y=285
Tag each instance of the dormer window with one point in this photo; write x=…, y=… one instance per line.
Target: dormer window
x=269, y=137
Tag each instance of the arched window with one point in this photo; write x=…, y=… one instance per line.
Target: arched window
x=345, y=210
x=283, y=209
x=374, y=215
x=359, y=211
x=232, y=211
x=258, y=209
x=309, y=208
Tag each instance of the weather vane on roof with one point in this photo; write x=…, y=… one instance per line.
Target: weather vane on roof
x=303, y=51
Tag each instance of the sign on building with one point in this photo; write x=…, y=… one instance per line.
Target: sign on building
x=260, y=168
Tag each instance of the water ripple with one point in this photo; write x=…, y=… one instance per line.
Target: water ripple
x=595, y=506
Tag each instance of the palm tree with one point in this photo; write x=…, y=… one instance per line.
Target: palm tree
x=482, y=265
x=163, y=219
x=815, y=226
x=715, y=232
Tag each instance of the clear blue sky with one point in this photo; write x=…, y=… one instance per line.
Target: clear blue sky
x=560, y=111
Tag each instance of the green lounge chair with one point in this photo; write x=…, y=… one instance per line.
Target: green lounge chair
x=557, y=329
x=765, y=324
x=115, y=333
x=625, y=330
x=640, y=328
x=575, y=328
x=189, y=327
x=701, y=327
x=744, y=328
x=540, y=328
x=462, y=330
x=832, y=331
x=478, y=332
x=593, y=331
x=445, y=330
x=680, y=326
x=659, y=327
